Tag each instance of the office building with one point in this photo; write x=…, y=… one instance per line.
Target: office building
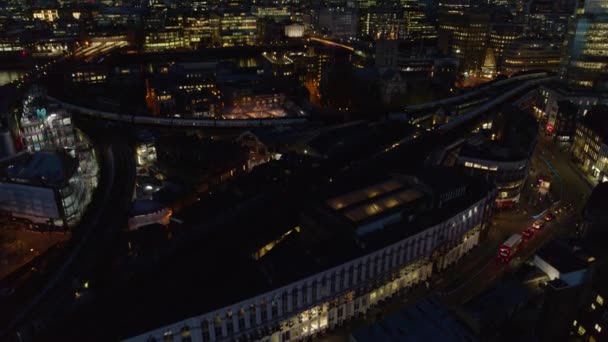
x=590, y=147
x=501, y=36
x=418, y=25
x=370, y=242
x=383, y=23
x=586, y=58
x=530, y=54
x=272, y=12
x=270, y=32
x=405, y=21
x=197, y=30
x=567, y=287
x=590, y=322
x=549, y=18
x=233, y=28
x=47, y=130
x=167, y=39
x=118, y=17
x=546, y=110
x=89, y=74
x=145, y=156
x=338, y=21
x=187, y=87
x=502, y=154
x=45, y=14
x=564, y=127
x=43, y=188
x=454, y=6
x=465, y=37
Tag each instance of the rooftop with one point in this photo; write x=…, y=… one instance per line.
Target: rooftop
x=350, y=141
x=561, y=257
x=495, y=304
x=266, y=242
x=47, y=168
x=428, y=320
x=141, y=207
x=374, y=200
x=515, y=138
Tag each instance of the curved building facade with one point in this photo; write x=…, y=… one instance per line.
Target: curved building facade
x=502, y=154
x=508, y=176
x=411, y=253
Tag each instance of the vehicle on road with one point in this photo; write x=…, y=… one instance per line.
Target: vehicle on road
x=538, y=224
x=509, y=248
x=549, y=217
x=527, y=234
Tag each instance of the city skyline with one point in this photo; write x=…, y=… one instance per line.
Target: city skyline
x=303, y=170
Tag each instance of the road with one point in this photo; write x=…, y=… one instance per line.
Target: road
x=480, y=269
x=575, y=189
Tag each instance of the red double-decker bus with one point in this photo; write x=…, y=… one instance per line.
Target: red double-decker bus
x=509, y=247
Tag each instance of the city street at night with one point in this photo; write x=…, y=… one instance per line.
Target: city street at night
x=303, y=170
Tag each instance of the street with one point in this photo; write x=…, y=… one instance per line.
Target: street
x=506, y=223
x=480, y=269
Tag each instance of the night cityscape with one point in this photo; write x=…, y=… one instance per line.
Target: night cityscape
x=303, y=170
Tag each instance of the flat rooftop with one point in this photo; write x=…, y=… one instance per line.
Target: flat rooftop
x=517, y=137
x=428, y=320
x=46, y=168
x=372, y=201
x=561, y=256
x=494, y=304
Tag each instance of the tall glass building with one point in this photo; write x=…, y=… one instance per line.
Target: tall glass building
x=586, y=57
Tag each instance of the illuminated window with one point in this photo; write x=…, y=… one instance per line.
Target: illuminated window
x=185, y=334
x=574, y=323
x=599, y=300
x=581, y=331
x=598, y=328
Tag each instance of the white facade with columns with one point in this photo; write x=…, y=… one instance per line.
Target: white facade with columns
x=312, y=305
